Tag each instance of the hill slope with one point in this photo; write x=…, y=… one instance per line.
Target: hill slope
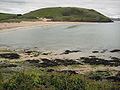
x=69, y=14
x=4, y=16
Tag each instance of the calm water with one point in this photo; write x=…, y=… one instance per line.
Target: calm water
x=77, y=36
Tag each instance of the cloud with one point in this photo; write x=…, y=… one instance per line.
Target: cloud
x=107, y=7
x=12, y=1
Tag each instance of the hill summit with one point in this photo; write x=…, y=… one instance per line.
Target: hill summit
x=69, y=14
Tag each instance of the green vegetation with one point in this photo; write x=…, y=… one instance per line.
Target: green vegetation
x=37, y=80
x=8, y=17
x=71, y=14
x=15, y=18
x=25, y=75
x=4, y=16
x=55, y=74
x=99, y=75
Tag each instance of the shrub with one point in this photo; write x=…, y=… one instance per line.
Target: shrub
x=99, y=75
x=57, y=81
x=53, y=81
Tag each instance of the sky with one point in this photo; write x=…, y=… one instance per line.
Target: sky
x=109, y=8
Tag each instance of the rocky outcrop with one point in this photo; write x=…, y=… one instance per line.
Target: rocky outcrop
x=99, y=61
x=10, y=55
x=70, y=51
x=115, y=50
x=50, y=63
x=95, y=51
x=8, y=65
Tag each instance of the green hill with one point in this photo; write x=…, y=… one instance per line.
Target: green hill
x=4, y=16
x=69, y=14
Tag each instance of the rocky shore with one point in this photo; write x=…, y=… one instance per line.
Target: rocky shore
x=74, y=60
x=95, y=66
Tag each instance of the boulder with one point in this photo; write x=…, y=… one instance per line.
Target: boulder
x=70, y=51
x=95, y=51
x=8, y=65
x=50, y=70
x=99, y=61
x=33, y=61
x=115, y=50
x=10, y=55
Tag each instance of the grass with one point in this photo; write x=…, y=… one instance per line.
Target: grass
x=4, y=16
x=71, y=14
x=99, y=73
x=15, y=18
x=36, y=80
x=29, y=77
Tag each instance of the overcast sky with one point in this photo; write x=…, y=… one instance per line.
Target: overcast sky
x=110, y=8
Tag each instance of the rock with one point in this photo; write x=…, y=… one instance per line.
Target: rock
x=99, y=61
x=115, y=58
x=10, y=55
x=9, y=65
x=97, y=78
x=66, y=62
x=34, y=53
x=103, y=51
x=50, y=70
x=47, y=63
x=56, y=62
x=113, y=78
x=29, y=52
x=46, y=53
x=92, y=56
x=95, y=51
x=115, y=50
x=70, y=51
x=33, y=61
x=118, y=74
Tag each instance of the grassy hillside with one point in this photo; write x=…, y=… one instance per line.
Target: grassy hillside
x=4, y=16
x=69, y=14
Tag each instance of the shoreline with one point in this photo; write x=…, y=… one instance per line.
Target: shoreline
x=29, y=24
x=90, y=61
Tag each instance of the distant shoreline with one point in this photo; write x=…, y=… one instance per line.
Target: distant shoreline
x=27, y=24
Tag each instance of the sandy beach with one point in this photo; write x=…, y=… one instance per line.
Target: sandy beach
x=26, y=24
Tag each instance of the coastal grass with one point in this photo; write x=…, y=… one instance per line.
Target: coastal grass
x=36, y=80
x=24, y=75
